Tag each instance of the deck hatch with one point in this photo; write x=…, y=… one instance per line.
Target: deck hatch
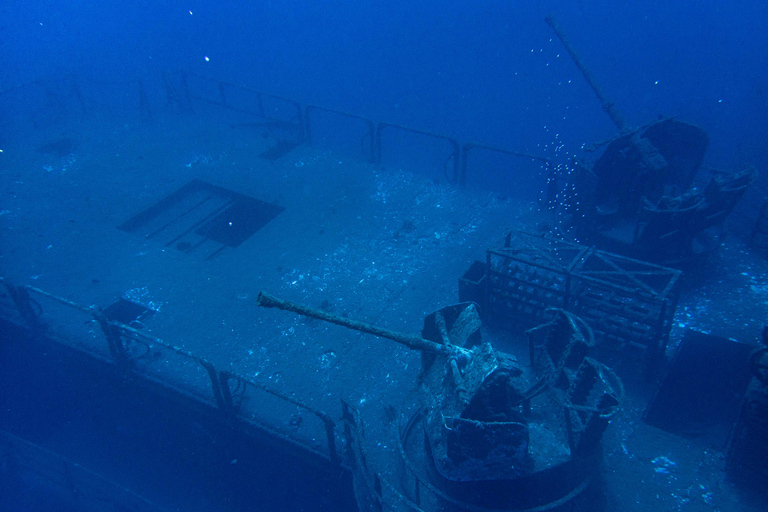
x=202, y=218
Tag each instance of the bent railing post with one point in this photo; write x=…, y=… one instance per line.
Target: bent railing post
x=113, y=335
x=228, y=405
x=215, y=383
x=23, y=302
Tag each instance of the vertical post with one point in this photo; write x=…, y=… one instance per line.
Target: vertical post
x=260, y=102
x=187, y=94
x=78, y=94
x=531, y=352
x=456, y=156
x=168, y=89
x=300, y=121
x=23, y=303
x=226, y=394
x=462, y=181
x=180, y=96
x=379, y=128
x=307, y=127
x=655, y=351
x=215, y=384
x=113, y=336
x=146, y=112
x=371, y=140
x=331, y=438
x=487, y=281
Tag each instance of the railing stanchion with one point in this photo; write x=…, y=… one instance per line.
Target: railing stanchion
x=113, y=336
x=226, y=394
x=23, y=303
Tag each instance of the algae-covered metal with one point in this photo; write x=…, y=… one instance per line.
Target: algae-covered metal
x=497, y=433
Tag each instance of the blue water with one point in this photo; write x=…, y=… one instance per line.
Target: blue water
x=489, y=71
x=492, y=72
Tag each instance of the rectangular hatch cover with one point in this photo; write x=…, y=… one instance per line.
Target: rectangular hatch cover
x=202, y=218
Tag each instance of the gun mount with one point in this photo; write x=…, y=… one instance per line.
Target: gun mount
x=496, y=429
x=639, y=198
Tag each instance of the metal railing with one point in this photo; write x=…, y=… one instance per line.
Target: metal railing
x=451, y=160
x=182, y=88
x=270, y=111
x=228, y=388
x=279, y=110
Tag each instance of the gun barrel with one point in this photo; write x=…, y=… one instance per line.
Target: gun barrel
x=608, y=106
x=411, y=341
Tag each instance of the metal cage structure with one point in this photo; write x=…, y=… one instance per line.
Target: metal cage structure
x=629, y=304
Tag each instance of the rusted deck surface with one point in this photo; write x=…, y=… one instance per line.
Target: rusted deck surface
x=381, y=245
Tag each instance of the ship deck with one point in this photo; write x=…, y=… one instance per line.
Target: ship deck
x=375, y=243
